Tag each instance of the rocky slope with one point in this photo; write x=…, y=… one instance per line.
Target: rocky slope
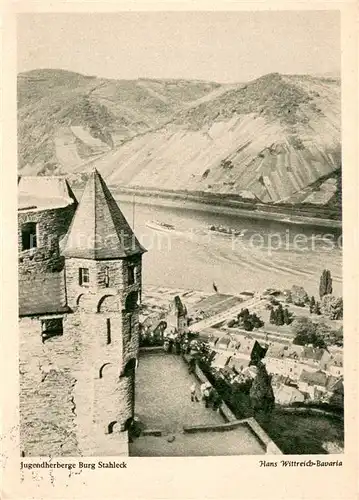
x=273, y=137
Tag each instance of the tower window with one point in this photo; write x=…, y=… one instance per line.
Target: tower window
x=108, y=325
x=28, y=235
x=107, y=277
x=131, y=302
x=51, y=328
x=130, y=327
x=84, y=276
x=131, y=275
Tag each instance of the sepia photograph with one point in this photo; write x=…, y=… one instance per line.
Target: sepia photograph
x=179, y=187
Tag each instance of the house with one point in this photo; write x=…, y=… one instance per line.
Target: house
x=246, y=295
x=220, y=360
x=250, y=372
x=335, y=391
x=224, y=343
x=314, y=357
x=284, y=359
x=209, y=335
x=212, y=341
x=238, y=363
x=177, y=317
x=333, y=364
x=286, y=395
x=313, y=383
x=246, y=345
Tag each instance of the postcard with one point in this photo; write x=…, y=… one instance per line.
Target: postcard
x=179, y=229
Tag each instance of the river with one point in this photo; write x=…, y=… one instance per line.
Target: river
x=268, y=254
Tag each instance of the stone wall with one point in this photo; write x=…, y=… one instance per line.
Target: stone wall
x=52, y=225
x=75, y=390
x=47, y=407
x=130, y=342
x=116, y=270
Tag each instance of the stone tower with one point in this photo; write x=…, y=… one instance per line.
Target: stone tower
x=103, y=286
x=46, y=208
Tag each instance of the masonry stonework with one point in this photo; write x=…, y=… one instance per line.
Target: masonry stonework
x=52, y=225
x=77, y=385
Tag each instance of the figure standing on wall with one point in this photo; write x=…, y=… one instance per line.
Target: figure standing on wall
x=194, y=397
x=192, y=365
x=215, y=288
x=178, y=345
x=205, y=389
x=216, y=400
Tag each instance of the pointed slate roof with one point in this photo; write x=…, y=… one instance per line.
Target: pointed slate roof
x=99, y=230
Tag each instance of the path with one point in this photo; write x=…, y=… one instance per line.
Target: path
x=163, y=398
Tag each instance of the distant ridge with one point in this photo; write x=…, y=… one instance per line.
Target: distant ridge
x=274, y=136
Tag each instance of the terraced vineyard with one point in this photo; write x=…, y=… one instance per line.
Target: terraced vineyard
x=273, y=138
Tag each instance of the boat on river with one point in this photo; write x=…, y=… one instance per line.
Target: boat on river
x=161, y=226
x=225, y=230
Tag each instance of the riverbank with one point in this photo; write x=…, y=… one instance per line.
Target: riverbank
x=223, y=206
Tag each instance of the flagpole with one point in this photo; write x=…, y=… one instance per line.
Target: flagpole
x=133, y=211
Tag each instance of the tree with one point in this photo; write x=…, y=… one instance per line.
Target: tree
x=318, y=342
x=248, y=325
x=249, y=321
x=311, y=339
x=287, y=316
x=337, y=398
x=337, y=337
x=302, y=324
x=243, y=314
x=279, y=315
x=316, y=309
x=332, y=307
x=256, y=321
x=312, y=304
x=330, y=335
x=325, y=284
x=299, y=296
x=261, y=392
x=288, y=296
x=307, y=333
x=272, y=316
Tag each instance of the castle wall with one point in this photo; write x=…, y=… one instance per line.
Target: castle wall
x=130, y=342
x=52, y=225
x=77, y=388
x=74, y=386
x=47, y=379
x=116, y=270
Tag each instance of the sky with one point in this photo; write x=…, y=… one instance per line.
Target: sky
x=215, y=46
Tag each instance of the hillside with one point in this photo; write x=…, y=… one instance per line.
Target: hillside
x=66, y=119
x=272, y=138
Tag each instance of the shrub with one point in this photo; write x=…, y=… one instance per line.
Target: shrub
x=332, y=307
x=299, y=296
